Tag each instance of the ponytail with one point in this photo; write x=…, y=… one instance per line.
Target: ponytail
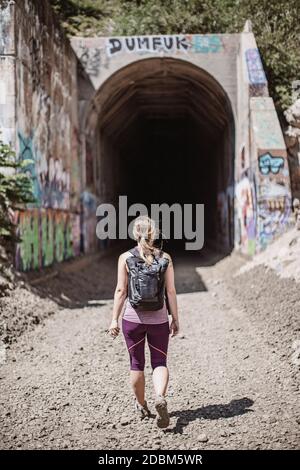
x=144, y=231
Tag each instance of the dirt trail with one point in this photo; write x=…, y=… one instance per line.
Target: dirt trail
x=233, y=384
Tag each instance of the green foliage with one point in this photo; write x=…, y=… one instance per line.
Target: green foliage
x=15, y=189
x=275, y=23
x=86, y=17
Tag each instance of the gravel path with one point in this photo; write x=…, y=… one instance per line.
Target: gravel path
x=64, y=384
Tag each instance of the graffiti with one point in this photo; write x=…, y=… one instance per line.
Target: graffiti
x=89, y=203
x=51, y=182
x=46, y=236
x=255, y=68
x=267, y=163
x=56, y=185
x=260, y=219
x=90, y=58
x=63, y=237
x=28, y=253
x=269, y=190
x=273, y=217
x=274, y=209
x=89, y=206
x=206, y=44
x=76, y=234
x=172, y=43
x=246, y=214
x=75, y=171
x=27, y=152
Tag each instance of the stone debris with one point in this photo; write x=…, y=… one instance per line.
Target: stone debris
x=233, y=374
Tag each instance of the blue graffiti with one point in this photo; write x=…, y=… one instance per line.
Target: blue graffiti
x=89, y=202
x=206, y=44
x=267, y=163
x=28, y=152
x=255, y=68
x=50, y=187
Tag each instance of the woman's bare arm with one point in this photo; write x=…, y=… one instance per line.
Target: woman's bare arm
x=172, y=297
x=120, y=295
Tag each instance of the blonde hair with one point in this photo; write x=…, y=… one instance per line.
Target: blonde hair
x=144, y=232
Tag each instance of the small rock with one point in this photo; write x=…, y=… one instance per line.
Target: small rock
x=273, y=420
x=293, y=242
x=202, y=438
x=124, y=421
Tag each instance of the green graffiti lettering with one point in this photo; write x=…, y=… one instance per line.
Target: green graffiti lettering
x=47, y=239
x=59, y=238
x=29, y=246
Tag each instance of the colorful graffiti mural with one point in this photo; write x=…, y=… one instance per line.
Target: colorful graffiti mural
x=51, y=182
x=255, y=68
x=274, y=210
x=257, y=77
x=46, y=236
x=246, y=214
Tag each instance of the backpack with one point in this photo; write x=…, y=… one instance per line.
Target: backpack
x=146, y=283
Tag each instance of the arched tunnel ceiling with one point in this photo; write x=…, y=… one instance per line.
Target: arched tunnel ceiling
x=160, y=89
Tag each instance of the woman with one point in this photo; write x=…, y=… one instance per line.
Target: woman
x=139, y=324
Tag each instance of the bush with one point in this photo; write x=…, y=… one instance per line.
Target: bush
x=15, y=191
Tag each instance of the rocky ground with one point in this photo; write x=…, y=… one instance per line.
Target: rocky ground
x=234, y=368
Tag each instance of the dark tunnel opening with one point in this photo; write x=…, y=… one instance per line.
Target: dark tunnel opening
x=165, y=135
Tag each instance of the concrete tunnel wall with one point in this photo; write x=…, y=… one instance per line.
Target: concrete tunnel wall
x=85, y=114
x=39, y=118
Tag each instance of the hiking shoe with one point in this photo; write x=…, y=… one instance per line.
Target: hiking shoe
x=163, y=418
x=142, y=410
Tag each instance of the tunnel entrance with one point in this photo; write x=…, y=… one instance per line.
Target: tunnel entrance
x=165, y=134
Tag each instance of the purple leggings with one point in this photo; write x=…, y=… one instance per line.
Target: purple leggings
x=157, y=337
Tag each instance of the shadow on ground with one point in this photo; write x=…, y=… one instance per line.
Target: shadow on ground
x=234, y=408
